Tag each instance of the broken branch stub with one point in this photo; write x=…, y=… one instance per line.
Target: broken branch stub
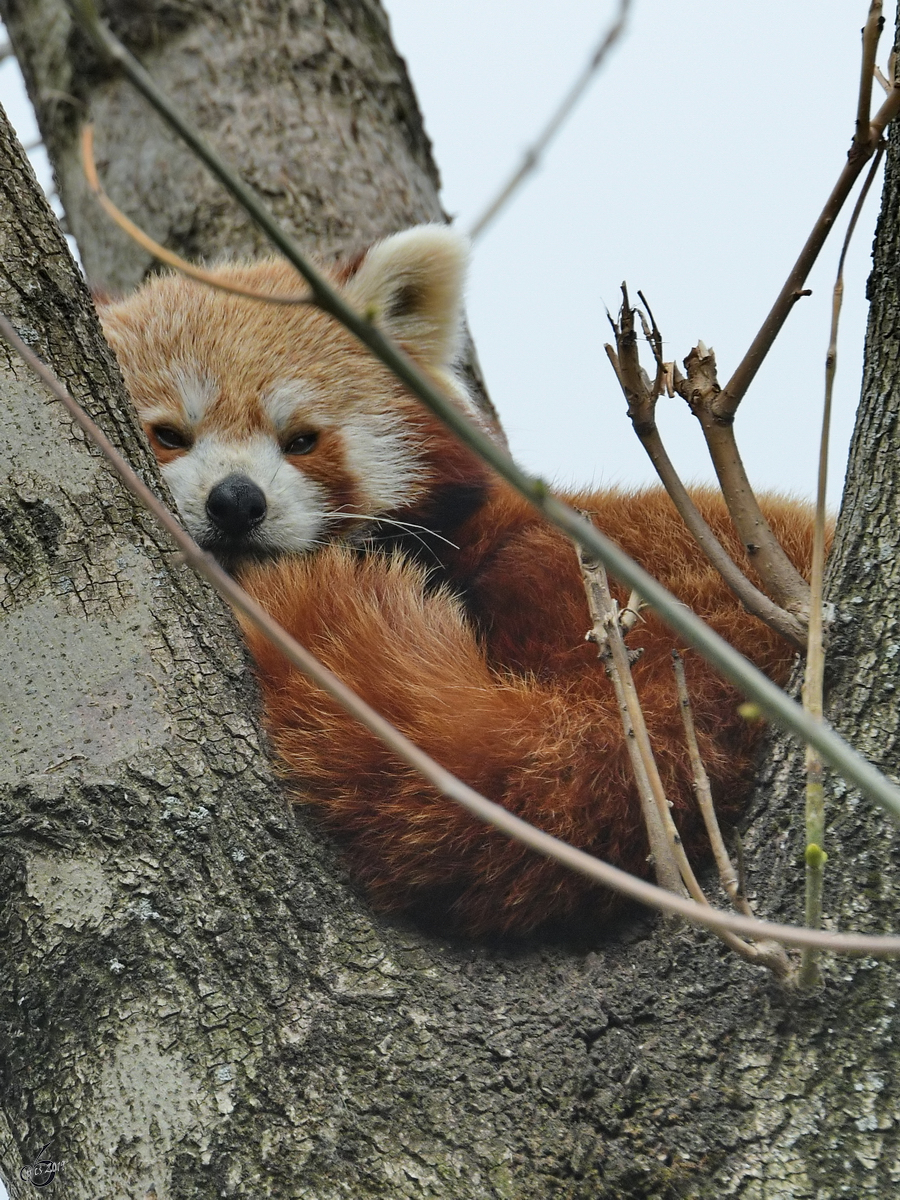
x=700, y=389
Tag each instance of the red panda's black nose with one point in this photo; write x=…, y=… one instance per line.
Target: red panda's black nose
x=236, y=505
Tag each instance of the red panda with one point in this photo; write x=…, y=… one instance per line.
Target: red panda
x=430, y=587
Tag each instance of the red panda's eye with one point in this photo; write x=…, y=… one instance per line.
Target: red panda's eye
x=170, y=438
x=301, y=444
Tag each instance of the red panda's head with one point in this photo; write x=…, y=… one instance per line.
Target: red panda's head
x=274, y=428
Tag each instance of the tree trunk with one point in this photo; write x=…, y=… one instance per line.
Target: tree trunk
x=310, y=100
x=192, y=1001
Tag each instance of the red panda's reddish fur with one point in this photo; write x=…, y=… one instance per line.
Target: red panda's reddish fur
x=521, y=710
x=474, y=648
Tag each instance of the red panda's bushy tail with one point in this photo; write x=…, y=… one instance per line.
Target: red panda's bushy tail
x=552, y=753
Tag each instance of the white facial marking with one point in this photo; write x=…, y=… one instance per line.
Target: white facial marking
x=379, y=455
x=196, y=390
x=158, y=414
x=296, y=505
x=288, y=400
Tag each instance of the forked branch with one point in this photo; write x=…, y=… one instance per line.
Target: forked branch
x=641, y=396
x=865, y=142
x=667, y=850
x=606, y=634
x=715, y=406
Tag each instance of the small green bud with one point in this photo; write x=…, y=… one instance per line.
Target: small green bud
x=815, y=856
x=750, y=711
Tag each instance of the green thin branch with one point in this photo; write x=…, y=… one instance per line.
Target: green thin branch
x=814, y=679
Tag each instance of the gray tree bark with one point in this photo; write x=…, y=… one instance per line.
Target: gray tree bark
x=193, y=1001
x=309, y=100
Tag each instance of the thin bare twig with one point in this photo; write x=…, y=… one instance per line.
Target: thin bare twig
x=870, y=36
x=673, y=868
x=209, y=278
x=885, y=115
x=727, y=873
x=781, y=578
x=860, y=152
x=532, y=156
x=607, y=636
x=772, y=701
x=607, y=633
x=814, y=681
x=768, y=954
x=6, y=51
x=641, y=397
x=631, y=613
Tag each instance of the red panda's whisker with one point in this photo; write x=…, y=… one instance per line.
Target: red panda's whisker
x=411, y=528
x=272, y=477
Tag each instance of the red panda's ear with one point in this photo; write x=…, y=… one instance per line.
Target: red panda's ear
x=412, y=284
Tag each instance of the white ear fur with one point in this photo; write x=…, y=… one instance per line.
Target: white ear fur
x=412, y=284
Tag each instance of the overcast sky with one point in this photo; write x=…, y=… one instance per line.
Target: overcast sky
x=693, y=169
